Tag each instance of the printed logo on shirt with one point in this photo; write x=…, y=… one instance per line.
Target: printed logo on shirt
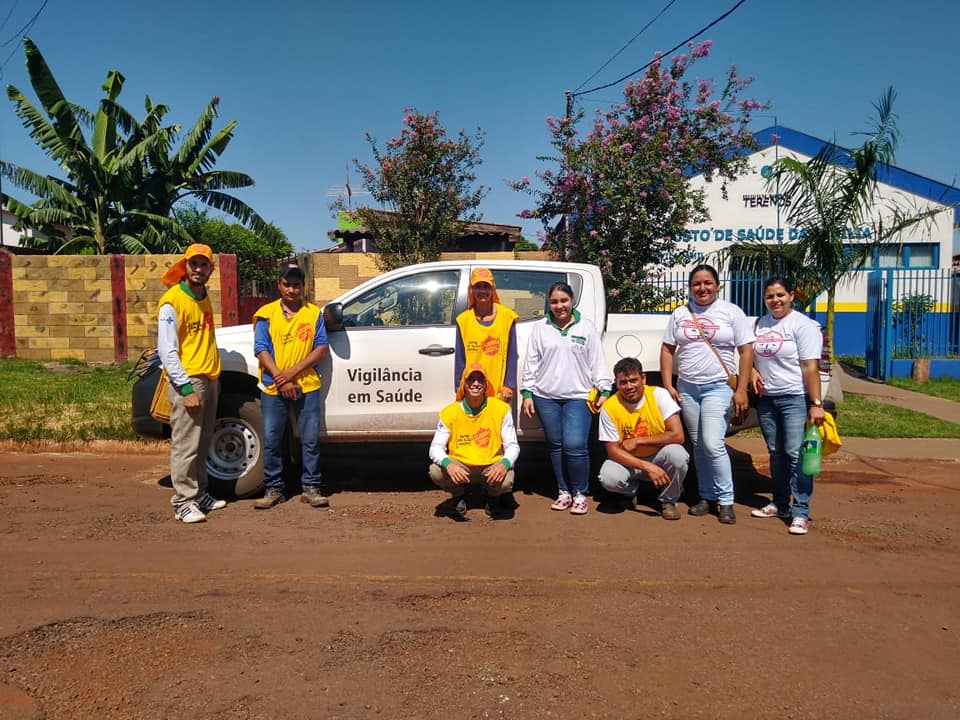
x=303, y=332
x=641, y=429
x=768, y=344
x=691, y=333
x=490, y=346
x=198, y=327
x=580, y=340
x=481, y=438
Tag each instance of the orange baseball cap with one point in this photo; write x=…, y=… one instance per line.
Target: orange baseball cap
x=479, y=275
x=175, y=272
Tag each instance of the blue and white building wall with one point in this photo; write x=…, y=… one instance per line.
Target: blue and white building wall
x=752, y=208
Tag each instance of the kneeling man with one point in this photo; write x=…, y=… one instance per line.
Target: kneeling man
x=641, y=428
x=475, y=443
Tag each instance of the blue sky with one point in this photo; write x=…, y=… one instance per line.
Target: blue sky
x=306, y=80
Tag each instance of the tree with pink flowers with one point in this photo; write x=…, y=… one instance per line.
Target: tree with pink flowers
x=620, y=197
x=423, y=181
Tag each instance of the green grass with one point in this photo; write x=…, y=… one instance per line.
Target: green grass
x=858, y=416
x=946, y=388
x=64, y=401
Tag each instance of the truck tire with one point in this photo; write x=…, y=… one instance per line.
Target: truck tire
x=235, y=458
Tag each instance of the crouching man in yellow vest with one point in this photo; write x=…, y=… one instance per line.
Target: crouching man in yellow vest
x=475, y=443
x=641, y=428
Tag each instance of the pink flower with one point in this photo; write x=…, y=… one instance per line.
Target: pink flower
x=593, y=233
x=627, y=148
x=526, y=214
x=703, y=49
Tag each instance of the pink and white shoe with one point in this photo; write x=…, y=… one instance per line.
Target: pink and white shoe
x=799, y=526
x=563, y=501
x=579, y=505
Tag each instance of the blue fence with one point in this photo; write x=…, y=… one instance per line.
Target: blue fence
x=911, y=314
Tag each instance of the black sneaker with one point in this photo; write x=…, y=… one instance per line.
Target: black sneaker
x=726, y=515
x=312, y=496
x=271, y=498
x=701, y=508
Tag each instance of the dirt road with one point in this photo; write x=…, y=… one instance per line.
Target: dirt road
x=376, y=608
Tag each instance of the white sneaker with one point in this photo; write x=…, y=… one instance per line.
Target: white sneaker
x=799, y=526
x=579, y=505
x=207, y=502
x=189, y=513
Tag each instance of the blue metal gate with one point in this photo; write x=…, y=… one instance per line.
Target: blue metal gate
x=879, y=325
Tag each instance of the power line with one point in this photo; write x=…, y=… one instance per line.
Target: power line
x=676, y=47
x=20, y=34
x=9, y=13
x=601, y=68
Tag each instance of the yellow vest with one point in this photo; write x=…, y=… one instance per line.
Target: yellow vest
x=642, y=421
x=292, y=341
x=475, y=439
x=487, y=346
x=195, y=332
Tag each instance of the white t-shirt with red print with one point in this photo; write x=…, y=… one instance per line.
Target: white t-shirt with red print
x=727, y=327
x=779, y=348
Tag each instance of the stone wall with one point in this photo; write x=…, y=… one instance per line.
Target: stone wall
x=103, y=308
x=92, y=308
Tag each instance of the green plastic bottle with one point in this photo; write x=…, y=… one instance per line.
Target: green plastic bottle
x=811, y=451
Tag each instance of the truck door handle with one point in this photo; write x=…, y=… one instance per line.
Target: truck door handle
x=436, y=350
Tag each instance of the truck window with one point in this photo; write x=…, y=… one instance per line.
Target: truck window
x=525, y=291
x=424, y=299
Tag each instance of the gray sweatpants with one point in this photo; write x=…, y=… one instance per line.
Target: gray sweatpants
x=674, y=460
x=190, y=432
x=441, y=479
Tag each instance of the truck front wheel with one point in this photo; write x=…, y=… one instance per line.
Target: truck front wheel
x=235, y=458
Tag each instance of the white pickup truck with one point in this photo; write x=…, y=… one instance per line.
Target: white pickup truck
x=390, y=366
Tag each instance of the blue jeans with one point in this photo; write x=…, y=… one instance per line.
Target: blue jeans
x=566, y=423
x=706, y=412
x=275, y=410
x=783, y=419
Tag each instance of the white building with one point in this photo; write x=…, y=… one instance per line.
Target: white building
x=754, y=209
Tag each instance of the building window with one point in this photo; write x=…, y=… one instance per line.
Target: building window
x=908, y=255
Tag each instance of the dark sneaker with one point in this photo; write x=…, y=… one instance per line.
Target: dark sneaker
x=701, y=508
x=668, y=511
x=493, y=508
x=726, y=515
x=311, y=495
x=453, y=507
x=271, y=498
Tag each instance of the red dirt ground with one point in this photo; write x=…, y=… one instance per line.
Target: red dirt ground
x=376, y=608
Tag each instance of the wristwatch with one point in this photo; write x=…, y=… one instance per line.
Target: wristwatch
x=816, y=403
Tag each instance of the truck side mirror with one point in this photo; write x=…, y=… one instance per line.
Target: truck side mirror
x=333, y=317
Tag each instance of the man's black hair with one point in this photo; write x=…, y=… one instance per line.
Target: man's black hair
x=627, y=365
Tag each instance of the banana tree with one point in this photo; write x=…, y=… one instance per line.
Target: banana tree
x=122, y=184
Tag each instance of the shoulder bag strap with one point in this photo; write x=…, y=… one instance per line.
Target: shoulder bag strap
x=710, y=344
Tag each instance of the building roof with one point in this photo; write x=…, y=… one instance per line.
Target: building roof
x=507, y=233
x=890, y=174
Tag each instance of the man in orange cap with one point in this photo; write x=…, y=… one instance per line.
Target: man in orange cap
x=187, y=347
x=487, y=335
x=475, y=443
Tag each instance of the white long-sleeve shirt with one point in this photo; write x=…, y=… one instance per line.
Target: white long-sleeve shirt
x=565, y=364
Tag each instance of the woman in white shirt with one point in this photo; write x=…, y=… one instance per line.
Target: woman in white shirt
x=786, y=379
x=702, y=386
x=564, y=362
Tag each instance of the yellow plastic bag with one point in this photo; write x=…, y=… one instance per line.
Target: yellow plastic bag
x=831, y=438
